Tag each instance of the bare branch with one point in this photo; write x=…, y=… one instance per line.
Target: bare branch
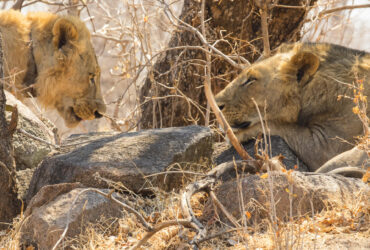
x=190, y=28
x=287, y=6
x=264, y=28
x=225, y=125
x=208, y=65
x=157, y=228
x=37, y=138
x=18, y=5
x=110, y=38
x=349, y=7
x=223, y=209
x=219, y=234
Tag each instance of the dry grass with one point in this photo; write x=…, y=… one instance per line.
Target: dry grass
x=339, y=225
x=346, y=222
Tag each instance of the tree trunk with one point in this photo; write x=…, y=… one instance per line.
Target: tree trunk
x=238, y=24
x=9, y=204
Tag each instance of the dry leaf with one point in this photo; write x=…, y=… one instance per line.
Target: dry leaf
x=264, y=176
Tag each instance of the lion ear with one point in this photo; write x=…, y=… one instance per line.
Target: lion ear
x=306, y=64
x=64, y=32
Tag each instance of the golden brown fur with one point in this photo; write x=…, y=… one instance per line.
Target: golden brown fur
x=300, y=86
x=52, y=57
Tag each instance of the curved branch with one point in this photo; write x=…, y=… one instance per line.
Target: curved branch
x=157, y=228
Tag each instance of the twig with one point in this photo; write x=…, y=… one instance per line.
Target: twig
x=209, y=237
x=110, y=38
x=207, y=67
x=148, y=235
x=287, y=6
x=349, y=7
x=190, y=28
x=262, y=124
x=264, y=28
x=190, y=190
x=223, y=209
x=225, y=125
x=188, y=213
x=175, y=172
x=37, y=138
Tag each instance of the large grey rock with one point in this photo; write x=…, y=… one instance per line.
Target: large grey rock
x=51, y=209
x=126, y=158
x=28, y=152
x=224, y=153
x=309, y=192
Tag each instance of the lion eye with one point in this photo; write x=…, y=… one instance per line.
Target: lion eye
x=92, y=78
x=250, y=80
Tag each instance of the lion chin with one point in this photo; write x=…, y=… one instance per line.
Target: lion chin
x=73, y=116
x=246, y=130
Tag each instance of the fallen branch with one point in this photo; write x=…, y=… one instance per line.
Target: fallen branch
x=190, y=190
x=157, y=228
x=220, y=234
x=223, y=209
x=206, y=184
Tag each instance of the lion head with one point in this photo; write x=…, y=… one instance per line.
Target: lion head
x=68, y=72
x=273, y=85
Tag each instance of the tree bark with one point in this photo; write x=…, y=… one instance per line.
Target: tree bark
x=9, y=203
x=238, y=24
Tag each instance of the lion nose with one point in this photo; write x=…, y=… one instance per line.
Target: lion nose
x=97, y=114
x=221, y=107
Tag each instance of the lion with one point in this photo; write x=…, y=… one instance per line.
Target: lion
x=305, y=95
x=51, y=57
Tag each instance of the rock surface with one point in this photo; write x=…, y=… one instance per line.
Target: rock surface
x=28, y=152
x=23, y=179
x=51, y=209
x=321, y=189
x=126, y=158
x=224, y=152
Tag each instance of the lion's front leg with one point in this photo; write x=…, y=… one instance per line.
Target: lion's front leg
x=314, y=145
